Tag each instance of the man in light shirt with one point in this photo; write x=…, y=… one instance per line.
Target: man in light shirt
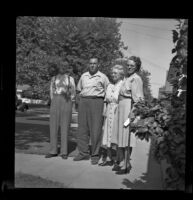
x=92, y=87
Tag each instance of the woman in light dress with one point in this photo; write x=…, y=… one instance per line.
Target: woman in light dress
x=110, y=114
x=131, y=91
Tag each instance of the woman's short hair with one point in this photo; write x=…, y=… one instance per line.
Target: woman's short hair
x=137, y=61
x=120, y=68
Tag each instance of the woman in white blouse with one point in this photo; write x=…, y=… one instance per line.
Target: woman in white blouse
x=131, y=91
x=110, y=114
x=62, y=93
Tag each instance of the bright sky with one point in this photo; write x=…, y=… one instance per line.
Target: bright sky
x=151, y=40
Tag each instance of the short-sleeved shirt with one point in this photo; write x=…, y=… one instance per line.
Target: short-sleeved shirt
x=132, y=87
x=60, y=84
x=93, y=85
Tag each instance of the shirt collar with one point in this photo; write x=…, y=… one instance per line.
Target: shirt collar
x=96, y=74
x=132, y=75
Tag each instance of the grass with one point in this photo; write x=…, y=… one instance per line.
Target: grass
x=32, y=132
x=30, y=181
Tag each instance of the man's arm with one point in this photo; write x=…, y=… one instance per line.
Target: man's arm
x=78, y=90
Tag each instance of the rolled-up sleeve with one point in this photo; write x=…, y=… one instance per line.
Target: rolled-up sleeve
x=137, y=89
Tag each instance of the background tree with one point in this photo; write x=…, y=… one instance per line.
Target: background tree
x=146, y=84
x=45, y=42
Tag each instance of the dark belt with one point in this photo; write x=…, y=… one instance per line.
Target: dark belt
x=92, y=97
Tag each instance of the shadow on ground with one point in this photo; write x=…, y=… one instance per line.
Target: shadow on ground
x=34, y=138
x=74, y=119
x=150, y=180
x=39, y=118
x=32, y=131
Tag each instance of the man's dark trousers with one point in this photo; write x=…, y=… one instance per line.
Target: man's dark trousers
x=90, y=122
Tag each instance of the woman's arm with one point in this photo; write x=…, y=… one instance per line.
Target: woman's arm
x=51, y=88
x=73, y=89
x=137, y=89
x=137, y=95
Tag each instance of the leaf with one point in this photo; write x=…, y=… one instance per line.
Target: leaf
x=175, y=36
x=173, y=50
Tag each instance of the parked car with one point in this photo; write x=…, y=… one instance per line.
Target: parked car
x=21, y=106
x=48, y=102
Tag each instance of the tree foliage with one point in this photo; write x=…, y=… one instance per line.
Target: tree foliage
x=166, y=119
x=43, y=43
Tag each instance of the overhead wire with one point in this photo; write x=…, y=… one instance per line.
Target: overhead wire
x=147, y=60
x=150, y=27
x=149, y=35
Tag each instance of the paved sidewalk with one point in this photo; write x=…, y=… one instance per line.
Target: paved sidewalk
x=145, y=174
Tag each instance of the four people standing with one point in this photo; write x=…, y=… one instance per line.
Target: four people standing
x=93, y=111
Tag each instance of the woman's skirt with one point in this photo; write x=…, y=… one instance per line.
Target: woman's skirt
x=110, y=125
x=124, y=108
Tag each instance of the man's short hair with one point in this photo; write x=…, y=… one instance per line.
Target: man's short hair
x=94, y=57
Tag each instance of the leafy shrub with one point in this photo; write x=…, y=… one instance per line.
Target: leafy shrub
x=165, y=119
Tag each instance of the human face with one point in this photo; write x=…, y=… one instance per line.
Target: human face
x=93, y=66
x=115, y=75
x=131, y=67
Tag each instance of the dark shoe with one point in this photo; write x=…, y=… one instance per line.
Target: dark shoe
x=94, y=162
x=106, y=163
x=81, y=157
x=63, y=156
x=116, y=167
x=50, y=155
x=124, y=171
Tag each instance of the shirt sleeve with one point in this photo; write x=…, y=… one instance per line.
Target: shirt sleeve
x=137, y=89
x=106, y=93
x=51, y=88
x=106, y=83
x=73, y=92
